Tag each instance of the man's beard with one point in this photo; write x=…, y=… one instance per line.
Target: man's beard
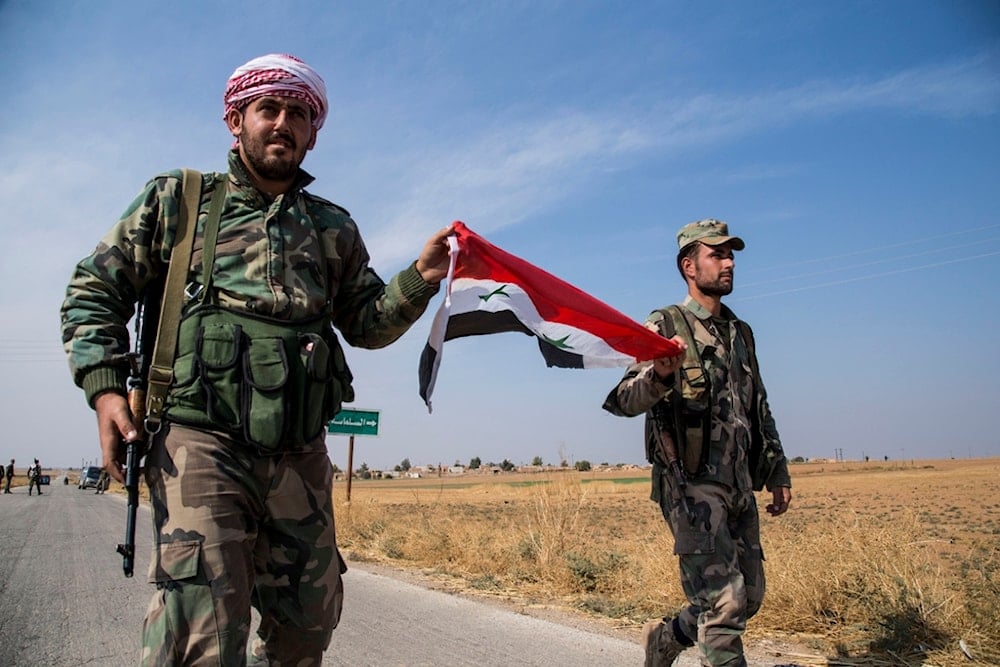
x=268, y=167
x=715, y=287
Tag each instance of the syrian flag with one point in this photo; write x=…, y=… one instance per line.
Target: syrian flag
x=491, y=291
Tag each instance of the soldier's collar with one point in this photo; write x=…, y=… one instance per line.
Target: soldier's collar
x=703, y=313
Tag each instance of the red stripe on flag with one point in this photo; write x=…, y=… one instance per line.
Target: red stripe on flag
x=556, y=300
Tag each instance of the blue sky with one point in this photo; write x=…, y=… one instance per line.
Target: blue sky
x=855, y=146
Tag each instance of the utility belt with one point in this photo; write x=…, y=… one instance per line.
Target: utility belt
x=272, y=383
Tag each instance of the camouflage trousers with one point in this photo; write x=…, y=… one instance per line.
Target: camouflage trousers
x=721, y=564
x=232, y=529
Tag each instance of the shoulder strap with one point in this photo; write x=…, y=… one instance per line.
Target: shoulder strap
x=747, y=336
x=161, y=370
x=674, y=322
x=211, y=234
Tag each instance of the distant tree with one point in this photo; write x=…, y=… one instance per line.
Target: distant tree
x=336, y=469
x=798, y=459
x=475, y=462
x=583, y=466
x=404, y=465
x=507, y=466
x=564, y=463
x=364, y=472
x=537, y=461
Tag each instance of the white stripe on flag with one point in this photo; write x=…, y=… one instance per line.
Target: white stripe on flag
x=467, y=295
x=440, y=325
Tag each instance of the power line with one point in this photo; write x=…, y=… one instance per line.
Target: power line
x=866, y=251
x=867, y=277
x=864, y=264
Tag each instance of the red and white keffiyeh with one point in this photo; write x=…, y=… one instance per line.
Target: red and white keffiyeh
x=277, y=74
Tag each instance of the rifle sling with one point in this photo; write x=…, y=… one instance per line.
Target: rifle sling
x=161, y=370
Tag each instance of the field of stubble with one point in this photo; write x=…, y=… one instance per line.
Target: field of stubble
x=875, y=564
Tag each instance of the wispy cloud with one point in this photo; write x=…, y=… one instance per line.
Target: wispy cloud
x=509, y=174
x=966, y=88
x=500, y=178
x=520, y=164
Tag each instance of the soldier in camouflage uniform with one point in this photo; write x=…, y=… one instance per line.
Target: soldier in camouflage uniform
x=239, y=477
x=712, y=441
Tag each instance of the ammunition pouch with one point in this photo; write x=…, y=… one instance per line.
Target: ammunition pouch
x=694, y=415
x=274, y=384
x=692, y=448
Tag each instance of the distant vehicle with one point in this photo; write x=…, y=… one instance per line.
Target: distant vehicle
x=90, y=477
x=43, y=479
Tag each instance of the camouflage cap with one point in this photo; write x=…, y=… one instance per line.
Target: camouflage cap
x=709, y=231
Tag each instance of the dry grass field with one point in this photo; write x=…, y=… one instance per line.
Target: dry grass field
x=875, y=564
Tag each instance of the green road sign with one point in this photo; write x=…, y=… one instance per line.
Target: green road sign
x=354, y=422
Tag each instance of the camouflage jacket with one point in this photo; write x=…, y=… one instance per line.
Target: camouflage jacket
x=740, y=415
x=285, y=258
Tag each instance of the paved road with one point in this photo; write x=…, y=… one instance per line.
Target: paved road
x=64, y=601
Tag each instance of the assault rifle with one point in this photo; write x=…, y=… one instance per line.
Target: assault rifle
x=146, y=320
x=668, y=450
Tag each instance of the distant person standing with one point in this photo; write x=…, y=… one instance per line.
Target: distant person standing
x=9, y=476
x=712, y=442
x=103, y=481
x=35, y=477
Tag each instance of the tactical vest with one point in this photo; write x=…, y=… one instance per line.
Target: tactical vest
x=272, y=383
x=689, y=419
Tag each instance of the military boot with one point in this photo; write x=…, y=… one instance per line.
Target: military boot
x=662, y=647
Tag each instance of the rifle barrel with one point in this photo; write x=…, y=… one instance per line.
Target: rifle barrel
x=127, y=549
